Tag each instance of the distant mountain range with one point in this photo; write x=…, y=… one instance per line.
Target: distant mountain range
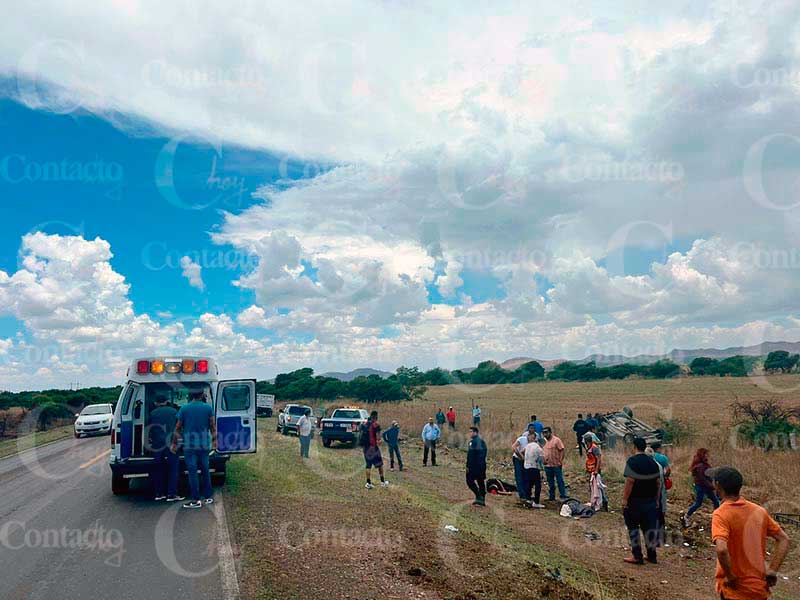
x=350, y=375
x=678, y=356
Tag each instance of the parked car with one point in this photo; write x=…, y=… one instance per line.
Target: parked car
x=290, y=415
x=343, y=425
x=94, y=419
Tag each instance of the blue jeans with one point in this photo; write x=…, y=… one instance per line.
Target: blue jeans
x=555, y=474
x=394, y=451
x=700, y=493
x=305, y=442
x=519, y=478
x=198, y=459
x=165, y=472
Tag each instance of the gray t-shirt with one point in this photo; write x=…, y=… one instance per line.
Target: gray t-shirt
x=194, y=418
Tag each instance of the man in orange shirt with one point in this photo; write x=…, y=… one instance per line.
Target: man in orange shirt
x=739, y=530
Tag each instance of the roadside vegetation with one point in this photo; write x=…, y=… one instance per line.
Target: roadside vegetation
x=308, y=529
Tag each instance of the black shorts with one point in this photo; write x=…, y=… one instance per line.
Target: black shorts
x=372, y=457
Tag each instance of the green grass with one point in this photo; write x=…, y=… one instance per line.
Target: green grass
x=277, y=472
x=13, y=446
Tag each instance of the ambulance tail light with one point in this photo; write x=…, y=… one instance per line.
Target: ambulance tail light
x=142, y=367
x=157, y=367
x=202, y=366
x=188, y=366
x=113, y=437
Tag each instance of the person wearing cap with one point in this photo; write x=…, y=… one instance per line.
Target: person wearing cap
x=430, y=435
x=739, y=532
x=392, y=438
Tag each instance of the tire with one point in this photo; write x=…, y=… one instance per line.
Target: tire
x=284, y=431
x=219, y=477
x=77, y=435
x=278, y=428
x=326, y=442
x=119, y=485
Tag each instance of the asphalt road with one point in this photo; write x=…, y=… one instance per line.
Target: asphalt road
x=64, y=535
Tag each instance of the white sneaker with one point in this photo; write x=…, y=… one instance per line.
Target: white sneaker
x=369, y=486
x=384, y=484
x=537, y=505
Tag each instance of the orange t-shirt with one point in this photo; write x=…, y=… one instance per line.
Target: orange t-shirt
x=745, y=526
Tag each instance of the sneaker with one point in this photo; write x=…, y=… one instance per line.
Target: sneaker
x=159, y=498
x=633, y=561
x=208, y=501
x=685, y=521
x=175, y=498
x=369, y=486
x=537, y=505
x=384, y=484
x=391, y=468
x=193, y=504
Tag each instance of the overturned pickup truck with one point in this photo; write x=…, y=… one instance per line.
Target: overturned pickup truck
x=622, y=427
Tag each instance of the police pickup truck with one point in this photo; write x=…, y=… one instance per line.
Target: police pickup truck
x=343, y=425
x=171, y=379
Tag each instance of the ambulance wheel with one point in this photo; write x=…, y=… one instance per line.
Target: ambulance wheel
x=326, y=442
x=219, y=476
x=119, y=485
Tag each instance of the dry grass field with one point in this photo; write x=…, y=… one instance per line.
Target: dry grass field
x=503, y=551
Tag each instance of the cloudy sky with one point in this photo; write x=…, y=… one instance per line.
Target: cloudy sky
x=381, y=183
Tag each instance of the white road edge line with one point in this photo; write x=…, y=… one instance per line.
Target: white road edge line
x=227, y=564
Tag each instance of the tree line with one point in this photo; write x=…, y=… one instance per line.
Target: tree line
x=409, y=383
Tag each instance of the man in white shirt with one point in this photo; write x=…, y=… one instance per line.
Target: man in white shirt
x=304, y=427
x=533, y=464
x=518, y=448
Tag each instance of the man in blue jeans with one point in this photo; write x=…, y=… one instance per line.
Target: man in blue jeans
x=159, y=436
x=199, y=432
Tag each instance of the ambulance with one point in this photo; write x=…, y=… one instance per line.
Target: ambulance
x=173, y=378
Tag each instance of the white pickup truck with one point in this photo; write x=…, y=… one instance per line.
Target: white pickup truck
x=343, y=425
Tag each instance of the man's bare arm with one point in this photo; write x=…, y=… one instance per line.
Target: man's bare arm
x=626, y=493
x=724, y=558
x=781, y=549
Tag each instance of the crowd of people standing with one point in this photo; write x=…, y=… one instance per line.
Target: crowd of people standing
x=739, y=529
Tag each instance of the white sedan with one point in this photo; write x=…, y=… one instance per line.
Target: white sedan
x=95, y=418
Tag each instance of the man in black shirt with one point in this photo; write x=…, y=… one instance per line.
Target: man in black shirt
x=476, y=467
x=159, y=437
x=640, y=502
x=580, y=427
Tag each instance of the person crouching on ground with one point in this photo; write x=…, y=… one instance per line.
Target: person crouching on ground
x=372, y=453
x=430, y=435
x=533, y=474
x=553, y=459
x=739, y=531
x=476, y=467
x=392, y=438
x=640, y=503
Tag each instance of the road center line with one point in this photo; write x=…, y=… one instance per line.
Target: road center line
x=90, y=462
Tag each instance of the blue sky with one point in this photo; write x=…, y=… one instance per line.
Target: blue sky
x=553, y=183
